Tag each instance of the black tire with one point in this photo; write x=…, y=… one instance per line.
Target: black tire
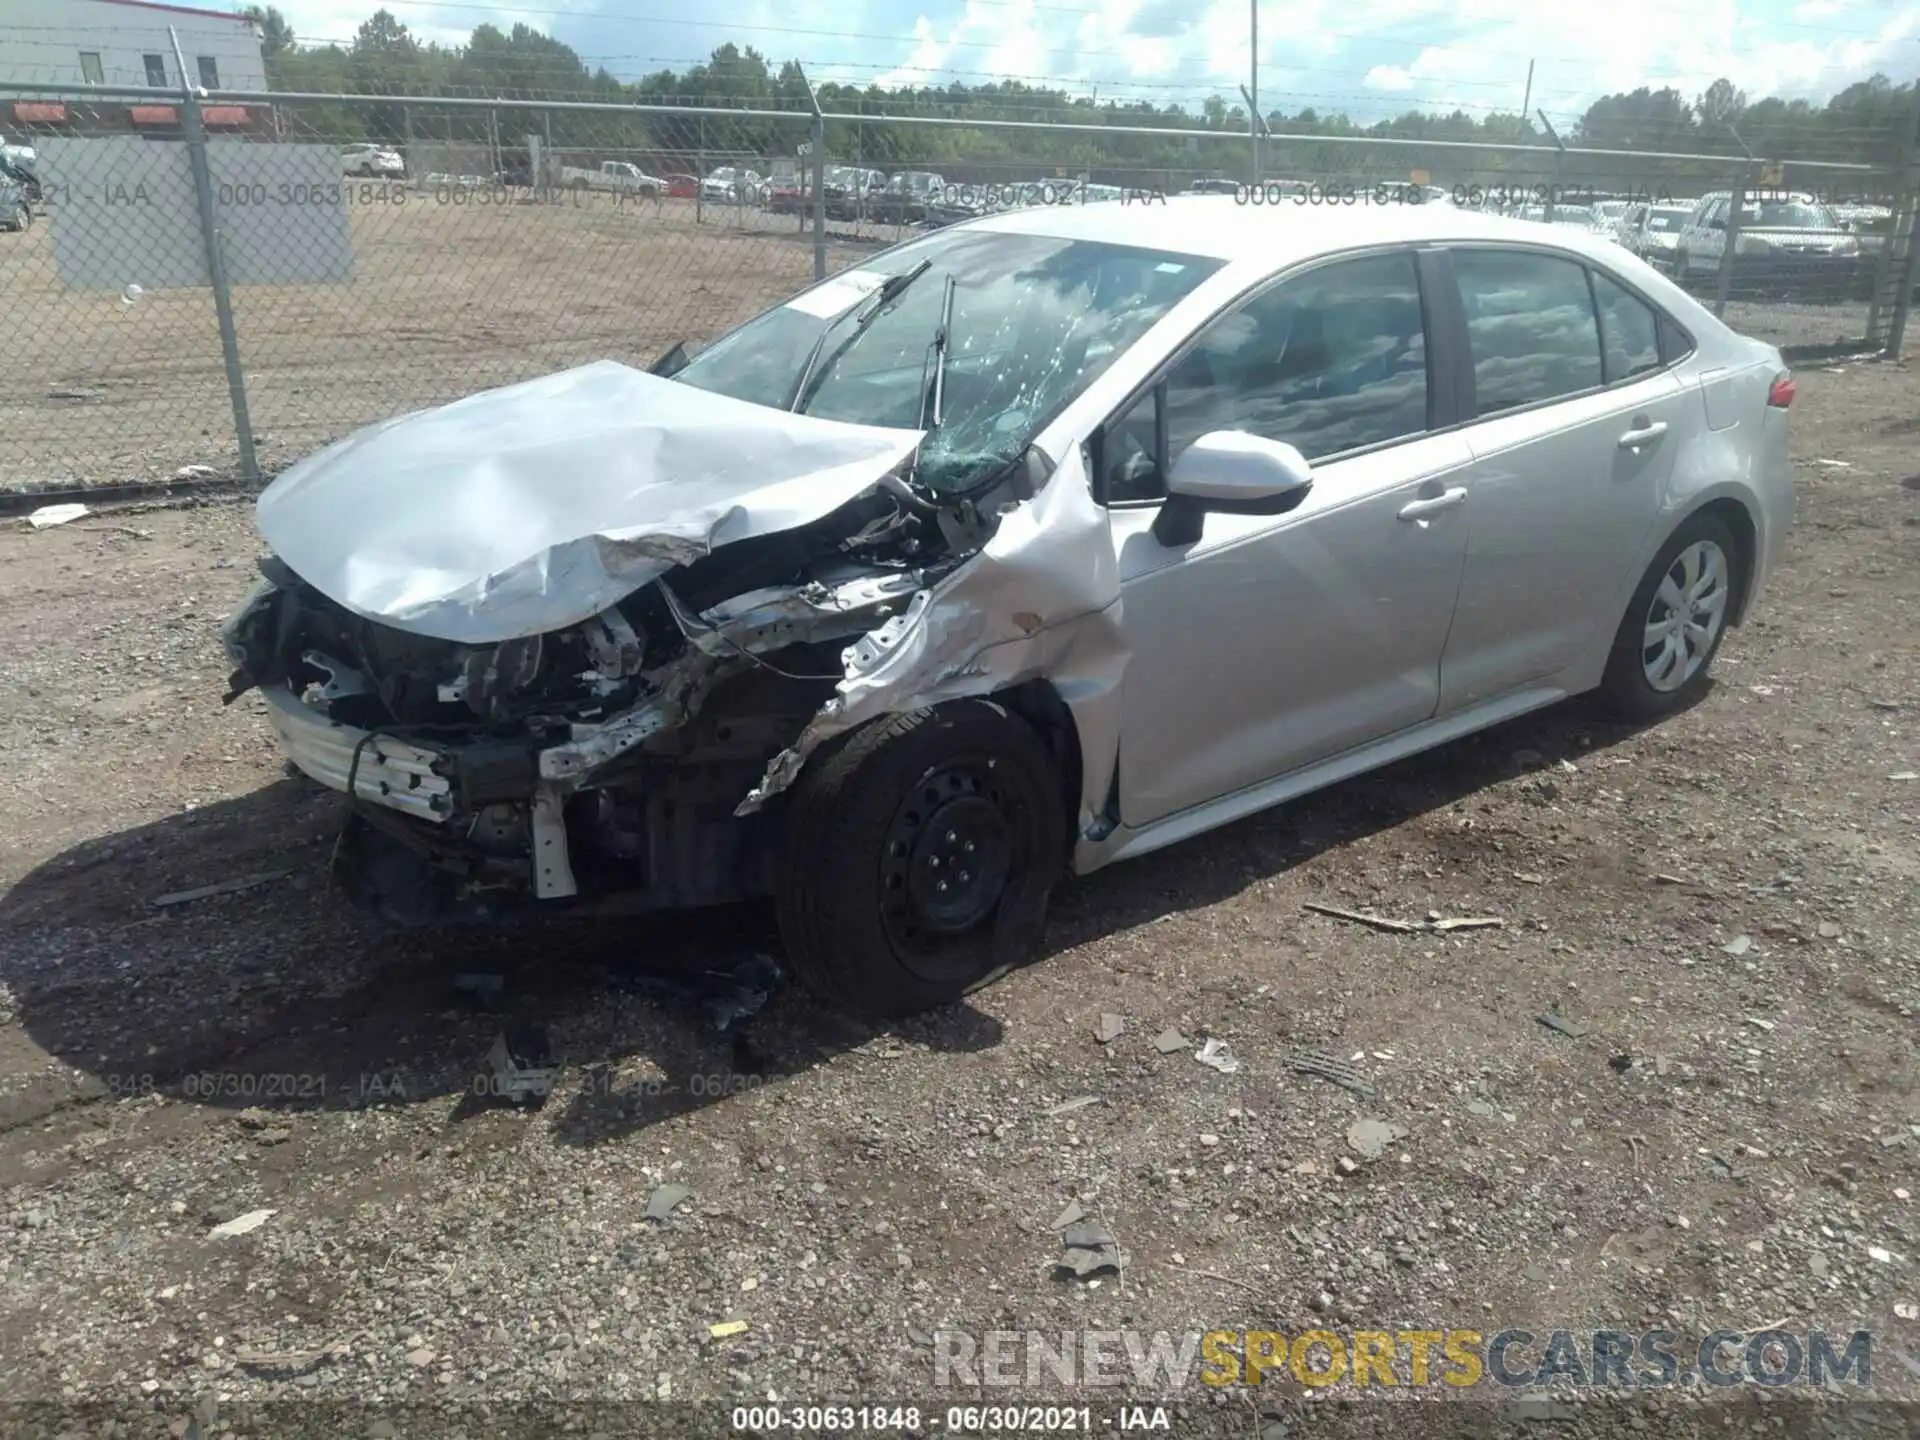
x=1626, y=689
x=862, y=926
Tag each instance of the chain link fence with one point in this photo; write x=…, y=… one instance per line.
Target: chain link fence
x=234, y=280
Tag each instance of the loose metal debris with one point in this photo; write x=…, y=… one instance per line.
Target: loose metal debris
x=224, y=887
x=1067, y=1107
x=1434, y=921
x=1572, y=1029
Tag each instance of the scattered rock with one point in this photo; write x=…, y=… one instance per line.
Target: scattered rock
x=1347, y=1165
x=1109, y=1028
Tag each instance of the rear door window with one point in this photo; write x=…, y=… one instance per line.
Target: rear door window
x=1532, y=333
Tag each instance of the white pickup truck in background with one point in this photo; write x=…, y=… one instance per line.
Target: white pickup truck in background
x=620, y=175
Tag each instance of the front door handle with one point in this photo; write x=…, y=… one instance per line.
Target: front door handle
x=1421, y=509
x=1643, y=435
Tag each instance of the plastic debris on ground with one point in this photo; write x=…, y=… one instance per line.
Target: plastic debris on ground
x=665, y=1200
x=1327, y=1067
x=726, y=997
x=242, y=1224
x=48, y=516
x=1087, y=1250
x=521, y=1062
x=1370, y=1138
x=1218, y=1055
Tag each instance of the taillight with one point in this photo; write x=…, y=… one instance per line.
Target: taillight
x=1780, y=393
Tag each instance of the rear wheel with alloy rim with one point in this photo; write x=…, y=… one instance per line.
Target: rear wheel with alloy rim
x=919, y=858
x=1675, y=623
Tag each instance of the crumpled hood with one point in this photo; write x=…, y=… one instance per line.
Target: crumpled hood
x=526, y=509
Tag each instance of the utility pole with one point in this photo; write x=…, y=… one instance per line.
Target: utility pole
x=1253, y=82
x=1526, y=101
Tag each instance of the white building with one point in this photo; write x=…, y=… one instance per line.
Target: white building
x=126, y=42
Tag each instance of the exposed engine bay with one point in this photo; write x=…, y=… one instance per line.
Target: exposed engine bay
x=609, y=761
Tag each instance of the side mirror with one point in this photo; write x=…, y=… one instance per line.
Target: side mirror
x=1234, y=472
x=1716, y=223
x=671, y=363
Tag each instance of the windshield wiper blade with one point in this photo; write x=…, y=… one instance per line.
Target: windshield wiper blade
x=889, y=291
x=937, y=356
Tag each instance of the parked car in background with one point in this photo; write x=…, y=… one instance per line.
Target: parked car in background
x=620, y=177
x=790, y=194
x=372, y=162
x=1792, y=242
x=1653, y=232
x=850, y=190
x=682, y=187
x=1215, y=185
x=892, y=610
x=16, y=210
x=904, y=199
x=20, y=164
x=735, y=185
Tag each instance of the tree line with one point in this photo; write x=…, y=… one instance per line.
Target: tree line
x=1862, y=123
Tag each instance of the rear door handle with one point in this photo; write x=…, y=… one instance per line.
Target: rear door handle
x=1643, y=435
x=1421, y=509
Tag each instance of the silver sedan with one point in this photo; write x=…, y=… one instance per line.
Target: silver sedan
x=1033, y=544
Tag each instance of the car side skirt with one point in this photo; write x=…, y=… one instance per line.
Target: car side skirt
x=1127, y=842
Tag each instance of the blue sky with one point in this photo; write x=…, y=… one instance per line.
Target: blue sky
x=1368, y=57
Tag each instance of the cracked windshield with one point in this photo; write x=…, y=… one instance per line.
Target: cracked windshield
x=1035, y=319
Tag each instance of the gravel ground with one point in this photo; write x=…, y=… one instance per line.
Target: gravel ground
x=1725, y=907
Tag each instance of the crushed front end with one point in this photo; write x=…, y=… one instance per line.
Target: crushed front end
x=598, y=766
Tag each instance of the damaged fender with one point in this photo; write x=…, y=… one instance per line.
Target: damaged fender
x=527, y=509
x=1041, y=600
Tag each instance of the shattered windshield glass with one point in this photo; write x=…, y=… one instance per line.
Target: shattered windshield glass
x=1035, y=319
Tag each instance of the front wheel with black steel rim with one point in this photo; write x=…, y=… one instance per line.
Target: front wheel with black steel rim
x=920, y=854
x=1675, y=622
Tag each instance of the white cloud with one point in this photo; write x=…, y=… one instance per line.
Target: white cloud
x=1362, y=56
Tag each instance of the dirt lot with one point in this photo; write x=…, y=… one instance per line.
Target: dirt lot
x=1729, y=902
x=451, y=294
x=447, y=298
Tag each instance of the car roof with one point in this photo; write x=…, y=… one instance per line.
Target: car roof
x=1221, y=228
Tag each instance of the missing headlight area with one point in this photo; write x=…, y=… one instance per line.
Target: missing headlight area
x=605, y=759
